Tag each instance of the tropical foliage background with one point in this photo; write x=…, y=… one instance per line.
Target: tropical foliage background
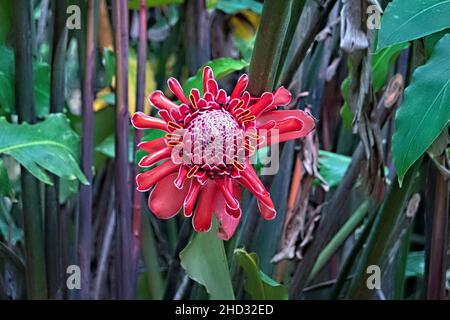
x=369, y=187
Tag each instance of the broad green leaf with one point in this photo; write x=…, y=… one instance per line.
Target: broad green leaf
x=333, y=167
x=205, y=262
x=235, y=6
x=5, y=186
x=431, y=40
x=221, y=68
x=49, y=145
x=67, y=189
x=425, y=110
x=405, y=20
x=258, y=284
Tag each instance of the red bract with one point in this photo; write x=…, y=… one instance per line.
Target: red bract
x=206, y=151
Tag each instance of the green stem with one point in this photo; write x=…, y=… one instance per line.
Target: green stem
x=385, y=224
x=351, y=258
x=150, y=256
x=267, y=51
x=296, y=10
x=342, y=235
x=31, y=201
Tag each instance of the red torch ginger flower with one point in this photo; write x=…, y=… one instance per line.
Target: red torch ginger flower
x=206, y=151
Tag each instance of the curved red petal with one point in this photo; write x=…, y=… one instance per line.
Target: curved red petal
x=166, y=200
x=177, y=90
x=153, y=145
x=221, y=97
x=227, y=192
x=142, y=121
x=147, y=179
x=203, y=213
x=281, y=97
x=182, y=173
x=160, y=101
x=240, y=87
x=194, y=96
x=227, y=222
x=191, y=197
x=262, y=104
x=152, y=158
x=268, y=212
x=212, y=87
x=290, y=124
x=207, y=75
x=251, y=181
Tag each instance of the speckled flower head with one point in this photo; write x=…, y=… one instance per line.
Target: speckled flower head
x=206, y=151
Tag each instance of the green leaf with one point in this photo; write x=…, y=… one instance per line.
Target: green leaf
x=415, y=265
x=108, y=146
x=104, y=124
x=109, y=63
x=405, y=20
x=8, y=228
x=245, y=47
x=5, y=20
x=6, y=80
x=221, y=68
x=49, y=145
x=333, y=167
x=5, y=186
x=235, y=6
x=42, y=88
x=67, y=189
x=425, y=110
x=136, y=4
x=431, y=40
x=205, y=262
x=258, y=284
x=381, y=61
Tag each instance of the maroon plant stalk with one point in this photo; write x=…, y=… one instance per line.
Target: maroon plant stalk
x=122, y=166
x=87, y=150
x=54, y=234
x=437, y=264
x=197, y=39
x=30, y=187
x=140, y=100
